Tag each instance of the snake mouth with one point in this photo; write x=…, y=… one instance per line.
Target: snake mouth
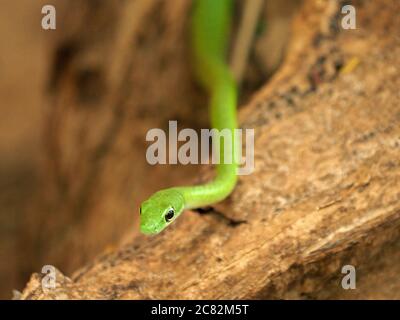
x=150, y=229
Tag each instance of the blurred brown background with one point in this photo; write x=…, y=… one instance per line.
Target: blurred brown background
x=23, y=69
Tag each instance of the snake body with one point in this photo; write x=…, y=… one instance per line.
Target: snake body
x=209, y=38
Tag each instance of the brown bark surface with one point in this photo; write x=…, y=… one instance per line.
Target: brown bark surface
x=326, y=187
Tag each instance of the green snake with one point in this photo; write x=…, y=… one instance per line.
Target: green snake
x=210, y=26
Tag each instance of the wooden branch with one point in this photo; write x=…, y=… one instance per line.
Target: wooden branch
x=326, y=186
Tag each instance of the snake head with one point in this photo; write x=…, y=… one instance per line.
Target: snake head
x=157, y=212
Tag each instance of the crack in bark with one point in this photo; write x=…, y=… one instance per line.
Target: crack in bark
x=219, y=216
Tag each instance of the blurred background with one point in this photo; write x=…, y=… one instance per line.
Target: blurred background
x=76, y=103
x=23, y=69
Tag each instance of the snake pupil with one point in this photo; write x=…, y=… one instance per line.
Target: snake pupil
x=170, y=214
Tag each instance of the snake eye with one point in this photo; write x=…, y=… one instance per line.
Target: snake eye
x=169, y=215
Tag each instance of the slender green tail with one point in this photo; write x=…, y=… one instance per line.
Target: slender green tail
x=210, y=29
